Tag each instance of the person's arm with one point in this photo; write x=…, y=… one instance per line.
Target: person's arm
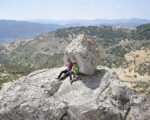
x=74, y=72
x=77, y=71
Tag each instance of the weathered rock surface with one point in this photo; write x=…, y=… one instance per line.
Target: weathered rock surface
x=140, y=107
x=85, y=52
x=39, y=96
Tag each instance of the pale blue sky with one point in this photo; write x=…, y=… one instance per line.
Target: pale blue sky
x=74, y=9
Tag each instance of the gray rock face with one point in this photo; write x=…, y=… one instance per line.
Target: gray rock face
x=39, y=96
x=140, y=107
x=85, y=52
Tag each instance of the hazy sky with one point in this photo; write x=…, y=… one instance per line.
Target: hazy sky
x=74, y=9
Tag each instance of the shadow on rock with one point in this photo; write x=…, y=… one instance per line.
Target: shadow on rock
x=91, y=81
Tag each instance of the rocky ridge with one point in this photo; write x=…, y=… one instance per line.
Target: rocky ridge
x=39, y=96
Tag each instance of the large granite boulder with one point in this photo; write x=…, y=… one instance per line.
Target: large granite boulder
x=85, y=52
x=39, y=96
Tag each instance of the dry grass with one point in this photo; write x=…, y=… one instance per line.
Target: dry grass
x=135, y=81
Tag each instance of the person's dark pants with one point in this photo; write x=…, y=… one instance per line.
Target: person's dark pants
x=71, y=73
x=66, y=74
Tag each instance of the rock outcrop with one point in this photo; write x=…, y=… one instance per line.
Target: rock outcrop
x=140, y=107
x=85, y=52
x=39, y=96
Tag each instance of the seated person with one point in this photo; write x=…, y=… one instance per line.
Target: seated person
x=66, y=71
x=75, y=73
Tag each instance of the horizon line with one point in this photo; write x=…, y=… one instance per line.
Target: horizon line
x=73, y=19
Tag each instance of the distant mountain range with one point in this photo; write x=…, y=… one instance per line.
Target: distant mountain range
x=133, y=22
x=11, y=30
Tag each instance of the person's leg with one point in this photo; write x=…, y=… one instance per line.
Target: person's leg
x=71, y=72
x=64, y=71
x=75, y=78
x=74, y=75
x=66, y=75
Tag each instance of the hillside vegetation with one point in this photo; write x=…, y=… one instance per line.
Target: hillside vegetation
x=9, y=73
x=137, y=73
x=46, y=51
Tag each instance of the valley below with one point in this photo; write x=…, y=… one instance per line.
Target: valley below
x=125, y=50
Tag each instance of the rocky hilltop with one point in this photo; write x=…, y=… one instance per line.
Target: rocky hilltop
x=97, y=96
x=101, y=96
x=39, y=96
